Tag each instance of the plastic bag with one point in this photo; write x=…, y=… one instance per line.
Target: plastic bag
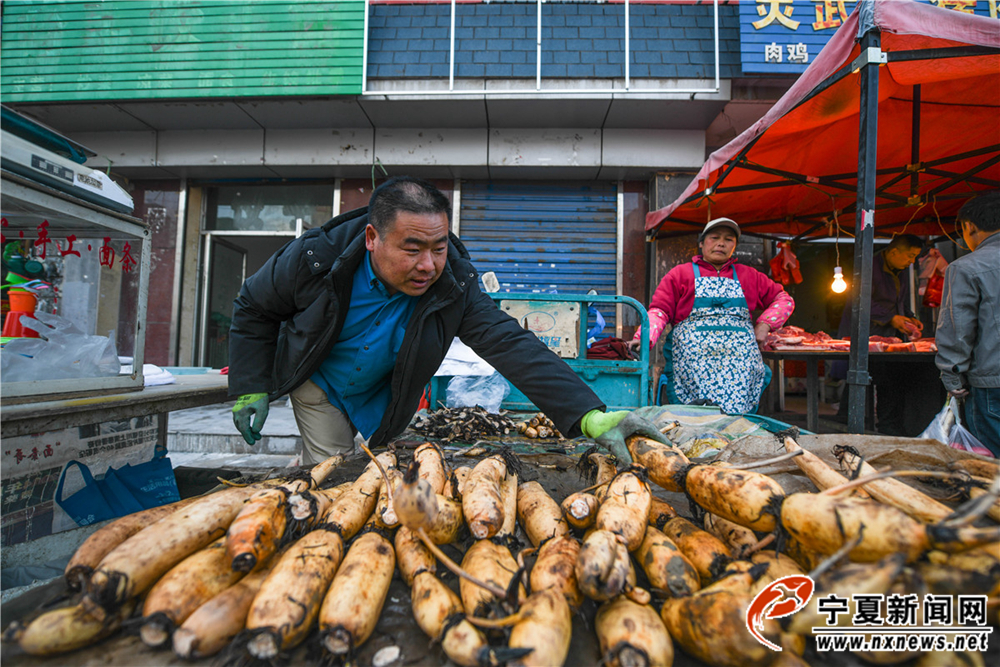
x=598, y=327
x=62, y=351
x=486, y=391
x=933, y=291
x=961, y=438
x=947, y=429
x=941, y=425
x=785, y=265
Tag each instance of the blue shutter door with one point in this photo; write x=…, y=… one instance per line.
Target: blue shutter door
x=543, y=238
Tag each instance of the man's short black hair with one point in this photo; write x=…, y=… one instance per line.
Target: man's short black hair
x=404, y=193
x=983, y=211
x=906, y=242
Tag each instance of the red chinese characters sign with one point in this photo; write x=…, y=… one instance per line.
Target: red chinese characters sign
x=39, y=247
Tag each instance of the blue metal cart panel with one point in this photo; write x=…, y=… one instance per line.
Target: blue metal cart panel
x=622, y=385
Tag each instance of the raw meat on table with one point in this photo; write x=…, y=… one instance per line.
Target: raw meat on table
x=791, y=338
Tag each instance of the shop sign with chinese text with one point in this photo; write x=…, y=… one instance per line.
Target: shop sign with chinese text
x=784, y=36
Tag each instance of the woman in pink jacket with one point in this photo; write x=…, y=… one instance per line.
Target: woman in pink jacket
x=713, y=349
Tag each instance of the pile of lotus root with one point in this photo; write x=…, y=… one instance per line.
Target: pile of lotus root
x=258, y=569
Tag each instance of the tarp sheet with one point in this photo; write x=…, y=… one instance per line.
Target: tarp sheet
x=802, y=159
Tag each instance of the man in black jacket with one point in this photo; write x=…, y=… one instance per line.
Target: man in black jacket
x=353, y=319
x=895, y=383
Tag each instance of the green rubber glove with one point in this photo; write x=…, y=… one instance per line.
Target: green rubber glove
x=611, y=429
x=247, y=405
x=596, y=423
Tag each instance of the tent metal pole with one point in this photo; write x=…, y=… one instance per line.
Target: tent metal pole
x=809, y=231
x=961, y=177
x=697, y=226
x=961, y=156
x=858, y=378
x=735, y=161
x=732, y=163
x=915, y=141
x=989, y=182
x=993, y=148
x=914, y=175
x=798, y=179
x=938, y=54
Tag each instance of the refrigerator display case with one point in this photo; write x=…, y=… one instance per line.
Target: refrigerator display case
x=69, y=242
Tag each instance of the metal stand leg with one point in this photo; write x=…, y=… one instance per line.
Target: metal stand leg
x=781, y=385
x=768, y=400
x=812, y=394
x=161, y=432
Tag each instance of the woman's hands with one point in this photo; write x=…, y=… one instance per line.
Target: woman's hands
x=760, y=332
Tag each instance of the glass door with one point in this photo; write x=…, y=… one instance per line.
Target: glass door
x=223, y=276
x=244, y=225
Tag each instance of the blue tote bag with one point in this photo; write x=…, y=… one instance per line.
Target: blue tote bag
x=152, y=483
x=98, y=500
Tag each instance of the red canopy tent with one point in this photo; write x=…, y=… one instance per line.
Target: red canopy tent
x=938, y=133
x=917, y=89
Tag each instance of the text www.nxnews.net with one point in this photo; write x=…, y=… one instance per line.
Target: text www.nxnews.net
x=964, y=640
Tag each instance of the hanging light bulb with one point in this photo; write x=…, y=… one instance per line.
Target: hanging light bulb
x=838, y=285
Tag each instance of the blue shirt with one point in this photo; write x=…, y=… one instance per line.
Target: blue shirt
x=356, y=375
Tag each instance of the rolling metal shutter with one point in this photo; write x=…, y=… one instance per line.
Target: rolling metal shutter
x=543, y=238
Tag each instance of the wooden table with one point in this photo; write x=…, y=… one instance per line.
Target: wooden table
x=812, y=359
x=190, y=391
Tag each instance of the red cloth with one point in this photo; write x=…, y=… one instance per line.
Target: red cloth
x=609, y=348
x=797, y=369
x=675, y=293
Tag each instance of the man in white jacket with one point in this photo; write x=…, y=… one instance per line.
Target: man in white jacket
x=968, y=331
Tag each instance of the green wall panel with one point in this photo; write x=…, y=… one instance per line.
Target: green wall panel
x=131, y=50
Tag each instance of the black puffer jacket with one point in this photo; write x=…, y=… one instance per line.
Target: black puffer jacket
x=289, y=315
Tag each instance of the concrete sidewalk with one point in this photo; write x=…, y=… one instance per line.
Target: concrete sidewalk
x=206, y=437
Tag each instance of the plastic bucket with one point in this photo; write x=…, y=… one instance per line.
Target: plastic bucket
x=21, y=303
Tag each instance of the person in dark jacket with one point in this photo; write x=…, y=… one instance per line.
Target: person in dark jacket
x=890, y=312
x=352, y=320
x=890, y=316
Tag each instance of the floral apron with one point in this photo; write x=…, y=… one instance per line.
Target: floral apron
x=713, y=354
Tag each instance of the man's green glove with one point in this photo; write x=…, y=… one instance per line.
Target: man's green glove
x=247, y=405
x=610, y=429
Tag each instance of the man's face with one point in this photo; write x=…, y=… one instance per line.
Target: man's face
x=410, y=256
x=718, y=245
x=900, y=258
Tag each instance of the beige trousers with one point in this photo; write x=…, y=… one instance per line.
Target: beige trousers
x=325, y=430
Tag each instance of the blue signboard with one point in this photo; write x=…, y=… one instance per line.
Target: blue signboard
x=784, y=36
